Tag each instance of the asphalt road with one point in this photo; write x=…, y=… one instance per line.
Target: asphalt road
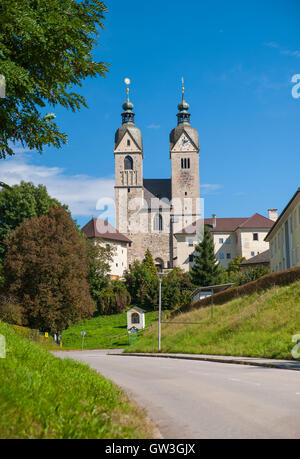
x=194, y=399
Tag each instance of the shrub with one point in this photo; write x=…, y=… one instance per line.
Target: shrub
x=113, y=299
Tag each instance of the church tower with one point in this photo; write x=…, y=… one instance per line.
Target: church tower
x=184, y=154
x=129, y=156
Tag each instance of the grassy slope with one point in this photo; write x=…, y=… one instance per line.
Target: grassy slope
x=42, y=396
x=260, y=325
x=101, y=332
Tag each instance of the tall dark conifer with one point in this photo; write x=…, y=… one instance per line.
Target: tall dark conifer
x=206, y=270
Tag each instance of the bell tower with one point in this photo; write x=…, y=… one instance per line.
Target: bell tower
x=184, y=154
x=128, y=152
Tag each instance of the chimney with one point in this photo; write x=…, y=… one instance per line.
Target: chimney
x=214, y=220
x=273, y=214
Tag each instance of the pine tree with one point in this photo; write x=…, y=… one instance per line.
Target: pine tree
x=206, y=270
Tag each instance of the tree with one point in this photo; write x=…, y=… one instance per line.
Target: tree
x=142, y=282
x=45, y=52
x=99, y=258
x=46, y=269
x=18, y=203
x=234, y=265
x=176, y=289
x=148, y=262
x=206, y=270
x=113, y=299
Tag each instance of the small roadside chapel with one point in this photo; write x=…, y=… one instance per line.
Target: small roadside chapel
x=136, y=318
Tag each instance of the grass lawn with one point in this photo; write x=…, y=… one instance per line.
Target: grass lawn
x=102, y=332
x=259, y=325
x=42, y=396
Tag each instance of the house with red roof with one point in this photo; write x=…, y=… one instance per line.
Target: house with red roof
x=233, y=237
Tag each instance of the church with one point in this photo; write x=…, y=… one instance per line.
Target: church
x=166, y=215
x=150, y=212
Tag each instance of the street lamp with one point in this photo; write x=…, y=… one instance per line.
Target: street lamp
x=160, y=276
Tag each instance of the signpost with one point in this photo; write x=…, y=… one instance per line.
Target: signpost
x=132, y=334
x=83, y=333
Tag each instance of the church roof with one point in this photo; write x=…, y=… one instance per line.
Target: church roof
x=98, y=228
x=181, y=128
x=133, y=130
x=157, y=188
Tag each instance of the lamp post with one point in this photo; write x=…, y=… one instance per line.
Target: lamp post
x=160, y=275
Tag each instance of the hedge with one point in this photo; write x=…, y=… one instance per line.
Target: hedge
x=263, y=283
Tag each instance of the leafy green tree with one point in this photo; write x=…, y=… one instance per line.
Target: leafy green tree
x=234, y=265
x=206, y=270
x=99, y=257
x=46, y=268
x=149, y=262
x=113, y=299
x=176, y=289
x=142, y=282
x=18, y=203
x=45, y=53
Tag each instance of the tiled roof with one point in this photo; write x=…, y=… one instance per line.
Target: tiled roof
x=97, y=227
x=257, y=221
x=263, y=257
x=225, y=225
x=157, y=188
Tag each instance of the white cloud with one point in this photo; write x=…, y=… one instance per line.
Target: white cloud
x=79, y=192
x=282, y=50
x=210, y=188
x=153, y=126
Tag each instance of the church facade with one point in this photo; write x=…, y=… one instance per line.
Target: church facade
x=151, y=212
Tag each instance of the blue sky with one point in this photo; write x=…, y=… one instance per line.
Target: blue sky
x=237, y=58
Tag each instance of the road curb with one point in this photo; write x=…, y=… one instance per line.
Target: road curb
x=280, y=365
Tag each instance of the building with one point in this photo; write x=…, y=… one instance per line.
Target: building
x=104, y=233
x=233, y=237
x=284, y=237
x=262, y=259
x=149, y=212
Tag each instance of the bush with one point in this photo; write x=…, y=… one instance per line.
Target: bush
x=113, y=299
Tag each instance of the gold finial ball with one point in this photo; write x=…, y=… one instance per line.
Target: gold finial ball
x=127, y=81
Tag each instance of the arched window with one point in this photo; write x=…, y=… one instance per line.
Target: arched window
x=128, y=163
x=158, y=222
x=135, y=318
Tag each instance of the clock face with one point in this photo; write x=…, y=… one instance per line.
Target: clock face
x=184, y=143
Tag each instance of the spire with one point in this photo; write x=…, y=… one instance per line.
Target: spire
x=183, y=116
x=127, y=115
